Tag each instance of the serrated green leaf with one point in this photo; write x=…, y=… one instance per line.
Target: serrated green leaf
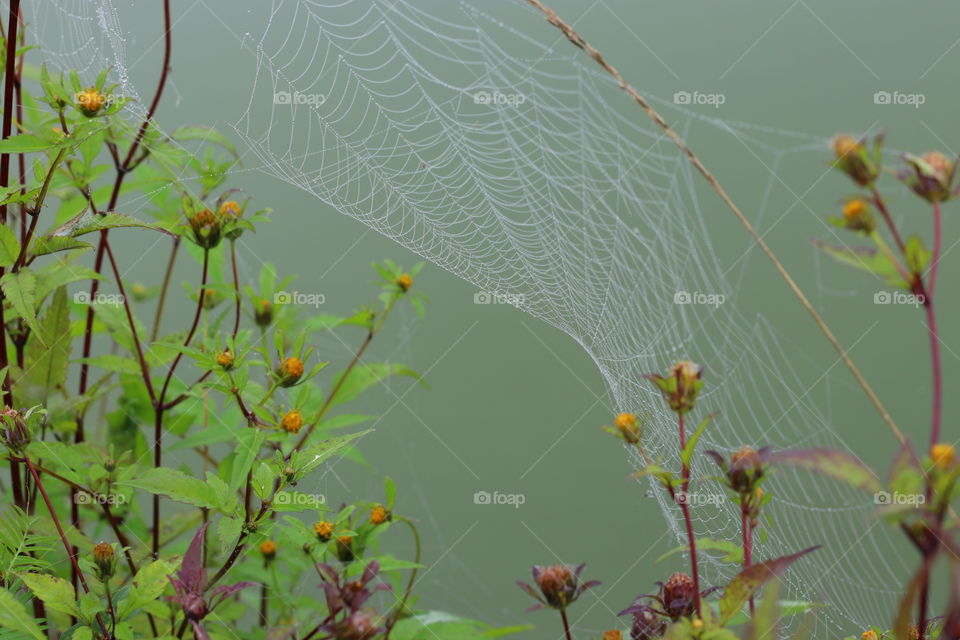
x=20, y=289
x=177, y=486
x=9, y=247
x=248, y=446
x=869, y=260
x=315, y=455
x=46, y=371
x=56, y=593
x=148, y=585
x=25, y=143
x=14, y=616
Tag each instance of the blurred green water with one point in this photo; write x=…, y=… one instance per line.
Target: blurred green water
x=515, y=406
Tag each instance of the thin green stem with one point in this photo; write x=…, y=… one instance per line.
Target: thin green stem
x=399, y=611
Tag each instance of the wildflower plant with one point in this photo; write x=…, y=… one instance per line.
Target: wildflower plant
x=186, y=509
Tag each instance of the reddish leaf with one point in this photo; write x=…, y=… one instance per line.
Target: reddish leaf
x=746, y=583
x=836, y=464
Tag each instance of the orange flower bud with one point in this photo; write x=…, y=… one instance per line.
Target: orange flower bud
x=292, y=421
x=405, y=282
x=324, y=530
x=90, y=101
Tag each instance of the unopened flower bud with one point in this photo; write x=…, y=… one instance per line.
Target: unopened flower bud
x=324, y=530
x=344, y=549
x=558, y=585
x=225, y=359
x=746, y=468
x=930, y=176
x=943, y=455
x=869, y=634
x=290, y=371
x=139, y=292
x=89, y=101
x=292, y=421
x=854, y=159
x=613, y=634
x=269, y=549
x=105, y=560
x=681, y=386
x=405, y=282
x=263, y=314
x=857, y=216
x=379, y=515
x=628, y=427
x=206, y=228
x=678, y=596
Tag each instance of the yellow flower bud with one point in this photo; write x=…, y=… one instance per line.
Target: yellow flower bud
x=269, y=549
x=290, y=371
x=292, y=421
x=869, y=634
x=324, y=530
x=405, y=282
x=225, y=359
x=379, y=514
x=942, y=455
x=90, y=101
x=629, y=428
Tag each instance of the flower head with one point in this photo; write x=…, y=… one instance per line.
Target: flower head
x=348, y=618
x=405, y=282
x=613, y=634
x=89, y=101
x=105, y=559
x=324, y=530
x=943, y=455
x=225, y=359
x=292, y=421
x=744, y=471
x=628, y=427
x=930, y=176
x=230, y=208
x=678, y=595
x=379, y=514
x=269, y=549
x=857, y=216
x=559, y=586
x=344, y=549
x=869, y=634
x=680, y=386
x=855, y=160
x=290, y=371
x=263, y=314
x=205, y=225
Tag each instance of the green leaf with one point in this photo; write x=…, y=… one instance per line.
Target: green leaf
x=9, y=247
x=869, y=260
x=113, y=362
x=315, y=455
x=830, y=462
x=25, y=143
x=248, y=446
x=56, y=593
x=364, y=376
x=14, y=616
x=207, y=134
x=46, y=246
x=687, y=454
x=148, y=585
x=45, y=372
x=438, y=625
x=20, y=289
x=748, y=581
x=733, y=552
x=916, y=255
x=177, y=486
x=228, y=530
x=80, y=226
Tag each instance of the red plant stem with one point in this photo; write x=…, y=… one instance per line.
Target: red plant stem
x=937, y=412
x=63, y=537
x=566, y=624
x=882, y=207
x=161, y=301
x=747, y=528
x=158, y=402
x=922, y=604
x=9, y=82
x=685, y=508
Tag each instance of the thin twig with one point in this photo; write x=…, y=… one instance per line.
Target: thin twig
x=578, y=41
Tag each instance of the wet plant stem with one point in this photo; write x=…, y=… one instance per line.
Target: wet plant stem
x=398, y=612
x=688, y=520
x=566, y=624
x=937, y=375
x=747, y=528
x=885, y=212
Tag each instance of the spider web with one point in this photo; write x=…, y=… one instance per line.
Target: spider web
x=506, y=161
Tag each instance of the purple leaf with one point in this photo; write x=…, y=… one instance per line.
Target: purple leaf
x=221, y=593
x=191, y=573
